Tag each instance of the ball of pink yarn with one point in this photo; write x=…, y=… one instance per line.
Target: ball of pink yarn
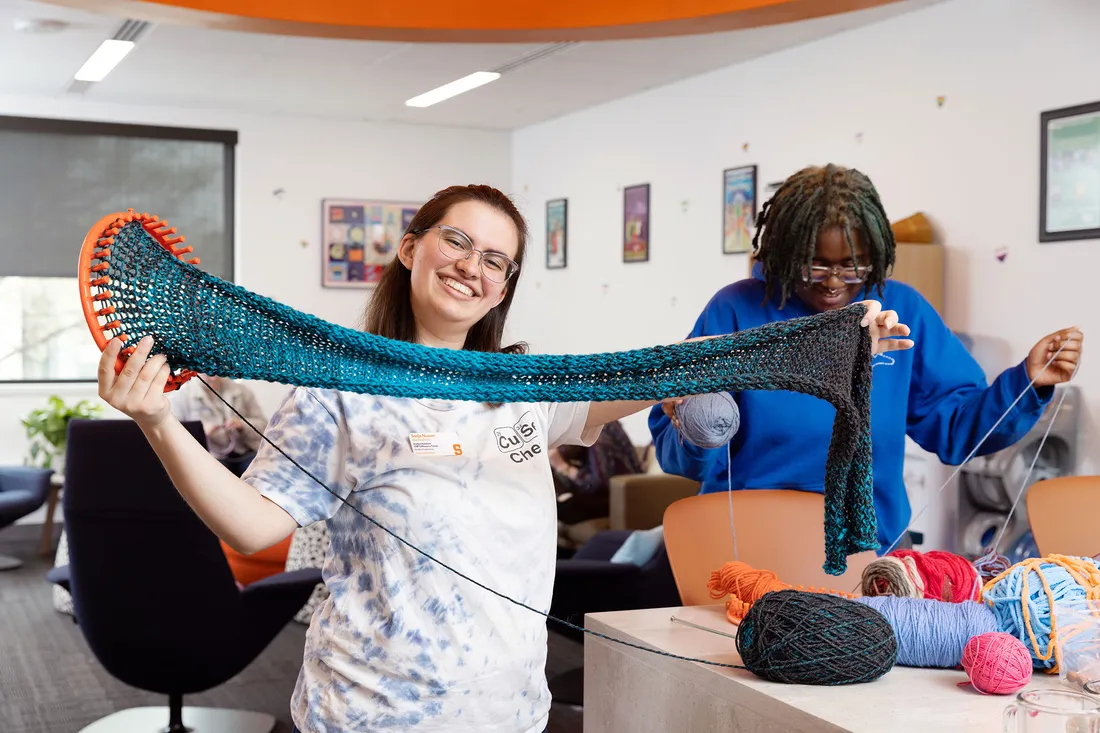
x=997, y=663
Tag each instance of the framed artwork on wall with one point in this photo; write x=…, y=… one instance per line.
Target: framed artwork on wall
x=359, y=237
x=1069, y=173
x=636, y=223
x=738, y=209
x=557, y=233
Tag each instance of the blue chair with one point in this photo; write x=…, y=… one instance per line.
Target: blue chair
x=22, y=491
x=152, y=590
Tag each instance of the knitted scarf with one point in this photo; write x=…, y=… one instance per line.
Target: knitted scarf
x=205, y=324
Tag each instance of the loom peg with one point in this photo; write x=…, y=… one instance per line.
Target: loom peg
x=103, y=296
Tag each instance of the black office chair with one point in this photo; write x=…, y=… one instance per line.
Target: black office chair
x=152, y=590
x=22, y=491
x=589, y=582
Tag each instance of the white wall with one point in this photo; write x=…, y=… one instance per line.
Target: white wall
x=972, y=164
x=310, y=159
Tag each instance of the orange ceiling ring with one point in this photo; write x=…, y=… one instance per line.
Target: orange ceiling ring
x=482, y=21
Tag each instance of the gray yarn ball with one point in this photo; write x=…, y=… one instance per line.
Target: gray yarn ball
x=709, y=420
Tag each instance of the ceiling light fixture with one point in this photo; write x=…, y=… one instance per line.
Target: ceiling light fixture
x=106, y=57
x=38, y=25
x=465, y=84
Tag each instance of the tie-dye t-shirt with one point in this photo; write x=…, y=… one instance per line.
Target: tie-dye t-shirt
x=402, y=643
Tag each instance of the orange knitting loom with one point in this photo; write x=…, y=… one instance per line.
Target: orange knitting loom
x=94, y=273
x=746, y=585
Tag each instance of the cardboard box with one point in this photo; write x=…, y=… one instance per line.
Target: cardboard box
x=922, y=266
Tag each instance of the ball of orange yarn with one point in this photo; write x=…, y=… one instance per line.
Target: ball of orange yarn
x=997, y=663
x=746, y=585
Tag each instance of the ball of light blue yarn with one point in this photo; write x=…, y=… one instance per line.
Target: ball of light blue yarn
x=932, y=633
x=709, y=420
x=1004, y=597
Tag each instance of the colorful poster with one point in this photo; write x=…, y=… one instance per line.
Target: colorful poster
x=738, y=209
x=359, y=239
x=556, y=233
x=636, y=223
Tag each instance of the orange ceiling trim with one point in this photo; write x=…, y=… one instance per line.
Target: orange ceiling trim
x=486, y=21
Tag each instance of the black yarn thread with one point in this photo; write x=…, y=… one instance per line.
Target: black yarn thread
x=804, y=638
x=788, y=636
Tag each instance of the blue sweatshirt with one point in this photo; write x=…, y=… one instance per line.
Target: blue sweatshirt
x=936, y=393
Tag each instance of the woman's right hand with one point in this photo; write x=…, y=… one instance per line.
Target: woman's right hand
x=138, y=390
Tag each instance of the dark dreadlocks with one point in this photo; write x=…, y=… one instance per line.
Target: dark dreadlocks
x=813, y=199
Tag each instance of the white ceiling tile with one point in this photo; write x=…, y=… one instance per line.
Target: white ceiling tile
x=191, y=66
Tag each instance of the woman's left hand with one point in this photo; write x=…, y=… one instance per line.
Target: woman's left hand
x=886, y=329
x=1062, y=368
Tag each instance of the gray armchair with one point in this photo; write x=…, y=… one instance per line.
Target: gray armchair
x=22, y=491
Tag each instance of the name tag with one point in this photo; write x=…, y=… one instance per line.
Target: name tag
x=435, y=444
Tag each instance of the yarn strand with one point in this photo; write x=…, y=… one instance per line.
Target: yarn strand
x=981, y=442
x=457, y=572
x=1034, y=460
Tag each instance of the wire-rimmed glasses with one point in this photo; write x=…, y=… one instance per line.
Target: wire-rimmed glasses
x=458, y=246
x=848, y=274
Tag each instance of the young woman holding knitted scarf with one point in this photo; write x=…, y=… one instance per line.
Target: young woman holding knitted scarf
x=402, y=642
x=822, y=242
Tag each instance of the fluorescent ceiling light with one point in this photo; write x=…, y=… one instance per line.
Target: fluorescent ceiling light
x=106, y=57
x=465, y=84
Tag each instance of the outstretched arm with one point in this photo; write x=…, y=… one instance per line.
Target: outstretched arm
x=951, y=407
x=232, y=509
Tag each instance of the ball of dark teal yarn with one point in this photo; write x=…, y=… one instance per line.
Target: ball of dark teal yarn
x=806, y=638
x=709, y=420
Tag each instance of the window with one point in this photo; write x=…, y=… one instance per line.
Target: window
x=60, y=178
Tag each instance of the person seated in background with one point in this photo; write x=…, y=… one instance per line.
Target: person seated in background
x=582, y=481
x=227, y=437
x=823, y=242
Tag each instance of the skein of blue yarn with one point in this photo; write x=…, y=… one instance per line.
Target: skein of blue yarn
x=1005, y=599
x=932, y=633
x=709, y=420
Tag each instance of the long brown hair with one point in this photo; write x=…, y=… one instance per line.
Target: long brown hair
x=389, y=312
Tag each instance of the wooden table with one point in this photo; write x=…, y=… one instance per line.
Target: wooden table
x=57, y=482
x=632, y=691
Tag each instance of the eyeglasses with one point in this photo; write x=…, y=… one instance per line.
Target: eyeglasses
x=849, y=274
x=458, y=246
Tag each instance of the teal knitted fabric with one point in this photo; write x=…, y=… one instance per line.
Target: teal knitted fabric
x=208, y=325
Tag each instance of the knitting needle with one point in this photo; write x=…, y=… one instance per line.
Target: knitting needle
x=703, y=628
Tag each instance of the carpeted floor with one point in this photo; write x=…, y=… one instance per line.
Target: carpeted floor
x=51, y=683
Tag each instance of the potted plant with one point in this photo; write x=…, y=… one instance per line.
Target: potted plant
x=47, y=428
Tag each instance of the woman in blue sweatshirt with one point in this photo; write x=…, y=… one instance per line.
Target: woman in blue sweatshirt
x=822, y=242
